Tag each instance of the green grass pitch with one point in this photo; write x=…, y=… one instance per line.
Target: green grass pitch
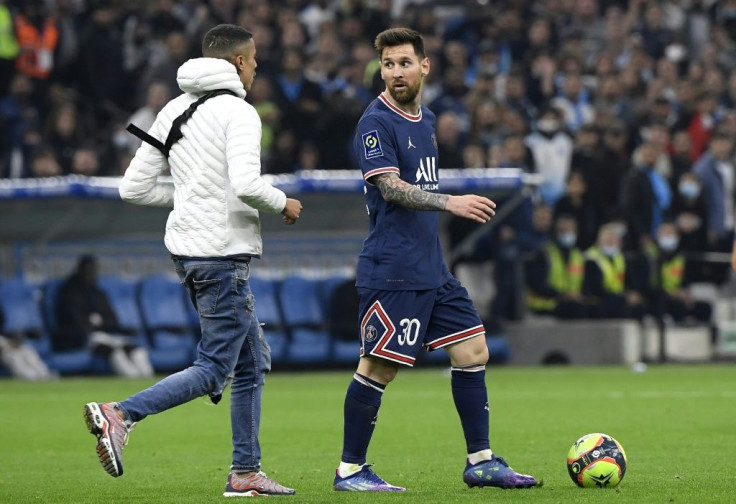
x=676, y=423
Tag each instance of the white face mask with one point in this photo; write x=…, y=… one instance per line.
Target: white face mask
x=668, y=243
x=690, y=190
x=567, y=240
x=610, y=250
x=620, y=230
x=548, y=125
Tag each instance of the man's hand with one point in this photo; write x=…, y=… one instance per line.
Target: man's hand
x=291, y=211
x=471, y=206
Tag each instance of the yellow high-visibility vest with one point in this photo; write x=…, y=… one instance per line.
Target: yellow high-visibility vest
x=613, y=269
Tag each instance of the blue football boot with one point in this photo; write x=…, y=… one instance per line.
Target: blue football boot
x=364, y=480
x=496, y=473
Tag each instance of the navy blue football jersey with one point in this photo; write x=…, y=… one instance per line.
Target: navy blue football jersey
x=402, y=251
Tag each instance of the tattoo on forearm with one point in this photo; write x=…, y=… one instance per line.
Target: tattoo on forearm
x=397, y=191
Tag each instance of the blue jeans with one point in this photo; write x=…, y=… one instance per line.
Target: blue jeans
x=232, y=347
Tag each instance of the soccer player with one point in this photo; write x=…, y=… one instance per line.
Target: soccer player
x=210, y=138
x=408, y=298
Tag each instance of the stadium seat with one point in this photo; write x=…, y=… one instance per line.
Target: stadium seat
x=81, y=361
x=121, y=294
x=304, y=318
x=267, y=309
x=166, y=322
x=20, y=308
x=343, y=327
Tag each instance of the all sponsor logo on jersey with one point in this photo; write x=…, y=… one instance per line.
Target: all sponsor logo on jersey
x=427, y=170
x=372, y=144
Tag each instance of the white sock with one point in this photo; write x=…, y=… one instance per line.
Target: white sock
x=346, y=469
x=480, y=456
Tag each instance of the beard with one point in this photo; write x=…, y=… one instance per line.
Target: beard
x=405, y=95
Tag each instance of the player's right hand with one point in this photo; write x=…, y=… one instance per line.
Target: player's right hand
x=471, y=206
x=291, y=211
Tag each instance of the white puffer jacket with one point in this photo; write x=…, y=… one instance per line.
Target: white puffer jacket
x=216, y=168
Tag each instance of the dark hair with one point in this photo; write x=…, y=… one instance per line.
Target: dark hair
x=399, y=36
x=223, y=40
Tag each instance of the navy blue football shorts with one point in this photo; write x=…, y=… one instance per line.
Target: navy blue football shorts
x=395, y=325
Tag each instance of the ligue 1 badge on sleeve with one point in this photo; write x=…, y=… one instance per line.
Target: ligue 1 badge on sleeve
x=434, y=140
x=372, y=144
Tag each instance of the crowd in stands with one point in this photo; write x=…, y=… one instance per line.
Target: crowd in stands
x=627, y=108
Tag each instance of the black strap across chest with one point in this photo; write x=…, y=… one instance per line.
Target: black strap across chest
x=175, y=133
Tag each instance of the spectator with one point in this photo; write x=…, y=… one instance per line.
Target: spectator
x=680, y=158
x=101, y=47
x=18, y=115
x=551, y=150
x=516, y=97
x=8, y=47
x=577, y=204
x=606, y=179
x=63, y=134
x=573, y=102
x=157, y=95
x=555, y=274
x=701, y=123
x=670, y=275
x=646, y=196
x=19, y=356
x=299, y=99
x=514, y=154
x=715, y=170
x=86, y=320
x=612, y=285
x=474, y=156
x=690, y=214
x=38, y=37
x=449, y=143
x=85, y=161
x=520, y=236
x=44, y=163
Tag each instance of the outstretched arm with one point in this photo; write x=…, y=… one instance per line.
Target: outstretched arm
x=469, y=206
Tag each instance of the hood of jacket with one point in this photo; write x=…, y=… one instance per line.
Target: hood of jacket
x=201, y=75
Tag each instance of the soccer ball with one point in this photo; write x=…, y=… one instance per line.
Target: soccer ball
x=596, y=460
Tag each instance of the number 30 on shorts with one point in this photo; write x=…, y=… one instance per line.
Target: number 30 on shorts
x=410, y=331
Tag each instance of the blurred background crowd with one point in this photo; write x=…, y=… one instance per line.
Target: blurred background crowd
x=626, y=108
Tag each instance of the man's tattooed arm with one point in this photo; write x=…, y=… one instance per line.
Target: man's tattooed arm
x=395, y=190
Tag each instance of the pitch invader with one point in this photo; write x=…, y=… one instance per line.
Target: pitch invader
x=408, y=298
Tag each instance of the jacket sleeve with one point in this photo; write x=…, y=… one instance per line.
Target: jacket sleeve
x=140, y=184
x=243, y=151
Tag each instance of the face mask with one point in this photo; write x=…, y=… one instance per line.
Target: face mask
x=620, y=230
x=120, y=140
x=610, y=250
x=689, y=190
x=667, y=243
x=567, y=240
x=547, y=125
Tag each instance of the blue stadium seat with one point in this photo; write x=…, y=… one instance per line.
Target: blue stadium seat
x=122, y=296
x=267, y=309
x=80, y=361
x=166, y=322
x=304, y=318
x=342, y=351
x=20, y=307
x=346, y=351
